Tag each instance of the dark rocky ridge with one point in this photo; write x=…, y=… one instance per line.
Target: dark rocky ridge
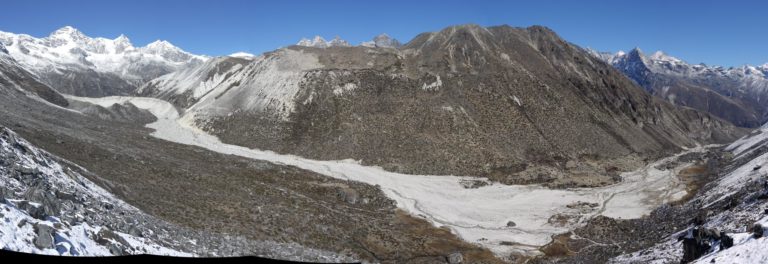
x=514, y=104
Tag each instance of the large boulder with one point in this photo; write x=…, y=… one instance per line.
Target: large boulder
x=726, y=242
x=349, y=195
x=455, y=258
x=35, y=210
x=757, y=230
x=698, y=242
x=44, y=239
x=116, y=244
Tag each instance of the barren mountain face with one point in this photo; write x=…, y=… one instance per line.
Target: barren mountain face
x=518, y=105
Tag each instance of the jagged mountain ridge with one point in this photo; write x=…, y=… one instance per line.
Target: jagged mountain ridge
x=73, y=63
x=736, y=94
x=502, y=102
x=380, y=41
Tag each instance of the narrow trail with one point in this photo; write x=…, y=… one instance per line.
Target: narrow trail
x=477, y=215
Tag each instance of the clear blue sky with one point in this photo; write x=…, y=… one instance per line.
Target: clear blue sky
x=727, y=33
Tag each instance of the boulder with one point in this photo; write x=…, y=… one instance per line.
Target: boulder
x=44, y=239
x=349, y=195
x=21, y=223
x=105, y=237
x=757, y=230
x=455, y=258
x=698, y=242
x=24, y=170
x=511, y=224
x=726, y=241
x=65, y=195
x=33, y=209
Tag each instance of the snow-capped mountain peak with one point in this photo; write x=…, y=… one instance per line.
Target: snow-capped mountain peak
x=661, y=56
x=320, y=42
x=123, y=39
x=118, y=65
x=317, y=42
x=162, y=47
x=382, y=41
x=241, y=54
x=338, y=42
x=67, y=32
x=122, y=43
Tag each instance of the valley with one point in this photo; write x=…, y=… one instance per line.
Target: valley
x=467, y=144
x=477, y=214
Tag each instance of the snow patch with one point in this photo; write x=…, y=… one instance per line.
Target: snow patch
x=340, y=90
x=434, y=86
x=242, y=55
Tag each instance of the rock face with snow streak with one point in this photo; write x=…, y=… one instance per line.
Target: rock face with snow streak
x=507, y=103
x=737, y=94
x=73, y=63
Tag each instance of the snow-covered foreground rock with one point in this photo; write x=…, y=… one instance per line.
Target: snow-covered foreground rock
x=54, y=210
x=504, y=218
x=48, y=207
x=744, y=190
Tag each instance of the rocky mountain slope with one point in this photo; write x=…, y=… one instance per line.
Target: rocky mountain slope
x=73, y=63
x=519, y=105
x=730, y=226
x=736, y=94
x=49, y=208
x=719, y=221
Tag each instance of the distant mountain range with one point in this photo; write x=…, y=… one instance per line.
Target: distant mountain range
x=74, y=63
x=381, y=41
x=737, y=94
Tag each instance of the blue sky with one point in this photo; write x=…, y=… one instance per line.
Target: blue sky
x=728, y=33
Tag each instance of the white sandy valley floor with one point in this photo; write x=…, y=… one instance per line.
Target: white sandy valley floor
x=477, y=215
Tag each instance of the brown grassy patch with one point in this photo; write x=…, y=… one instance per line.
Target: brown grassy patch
x=558, y=247
x=694, y=178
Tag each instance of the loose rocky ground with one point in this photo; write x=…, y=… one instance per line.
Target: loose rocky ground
x=727, y=197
